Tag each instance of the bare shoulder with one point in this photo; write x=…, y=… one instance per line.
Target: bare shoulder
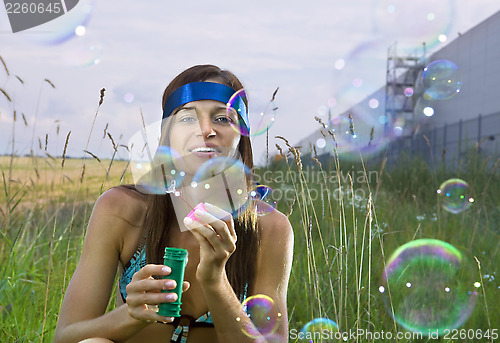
x=275, y=228
x=120, y=203
x=274, y=259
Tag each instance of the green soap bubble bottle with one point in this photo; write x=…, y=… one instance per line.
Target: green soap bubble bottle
x=176, y=259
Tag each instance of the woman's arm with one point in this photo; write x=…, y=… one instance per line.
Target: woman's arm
x=82, y=313
x=272, y=274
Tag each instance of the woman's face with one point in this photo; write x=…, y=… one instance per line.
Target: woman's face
x=201, y=130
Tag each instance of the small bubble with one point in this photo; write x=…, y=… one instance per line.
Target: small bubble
x=428, y=111
x=321, y=143
x=80, y=30
x=339, y=64
x=408, y=92
x=262, y=311
x=128, y=98
x=373, y=103
x=357, y=82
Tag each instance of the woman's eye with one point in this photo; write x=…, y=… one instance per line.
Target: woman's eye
x=187, y=119
x=224, y=119
x=186, y=115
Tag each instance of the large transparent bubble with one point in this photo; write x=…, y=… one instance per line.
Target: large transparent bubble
x=441, y=80
x=428, y=286
x=455, y=195
x=262, y=111
x=223, y=182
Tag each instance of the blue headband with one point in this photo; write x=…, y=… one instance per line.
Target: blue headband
x=206, y=91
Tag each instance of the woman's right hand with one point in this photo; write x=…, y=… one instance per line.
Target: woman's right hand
x=144, y=293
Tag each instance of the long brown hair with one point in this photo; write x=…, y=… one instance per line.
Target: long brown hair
x=160, y=215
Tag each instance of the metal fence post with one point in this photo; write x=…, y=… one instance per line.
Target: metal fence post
x=479, y=128
x=459, y=138
x=444, y=141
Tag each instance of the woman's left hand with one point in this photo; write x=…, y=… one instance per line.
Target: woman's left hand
x=217, y=238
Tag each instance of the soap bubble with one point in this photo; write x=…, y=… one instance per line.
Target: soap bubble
x=142, y=147
x=362, y=58
x=263, y=202
x=163, y=175
x=320, y=143
x=261, y=110
x=358, y=129
x=423, y=109
x=415, y=21
x=358, y=134
x=345, y=134
x=222, y=181
x=314, y=331
x=455, y=195
x=155, y=166
x=82, y=52
x=263, y=313
x=373, y=103
x=441, y=80
x=72, y=24
x=427, y=284
x=408, y=91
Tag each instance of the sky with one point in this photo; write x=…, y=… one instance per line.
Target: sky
x=312, y=50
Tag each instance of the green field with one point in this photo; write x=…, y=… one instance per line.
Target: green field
x=346, y=226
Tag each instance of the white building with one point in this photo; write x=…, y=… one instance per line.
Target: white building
x=396, y=117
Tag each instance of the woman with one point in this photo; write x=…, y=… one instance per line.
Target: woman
x=229, y=259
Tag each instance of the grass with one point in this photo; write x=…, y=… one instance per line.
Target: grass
x=43, y=225
x=344, y=238
x=345, y=229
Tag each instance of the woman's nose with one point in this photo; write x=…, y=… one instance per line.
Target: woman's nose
x=206, y=128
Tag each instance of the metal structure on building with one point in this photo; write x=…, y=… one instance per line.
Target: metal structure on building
x=403, y=72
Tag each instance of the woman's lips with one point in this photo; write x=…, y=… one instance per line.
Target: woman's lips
x=205, y=151
x=204, y=154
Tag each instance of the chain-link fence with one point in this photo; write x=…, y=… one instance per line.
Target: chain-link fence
x=450, y=143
